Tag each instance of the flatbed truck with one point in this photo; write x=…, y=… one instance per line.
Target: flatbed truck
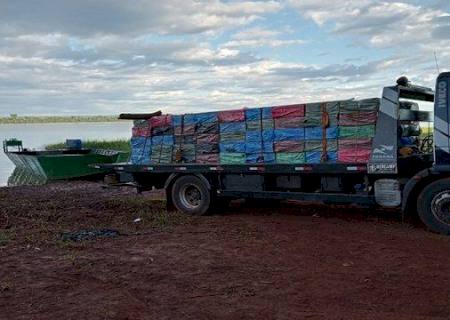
x=417, y=182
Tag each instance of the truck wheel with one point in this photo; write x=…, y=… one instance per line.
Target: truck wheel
x=190, y=195
x=433, y=206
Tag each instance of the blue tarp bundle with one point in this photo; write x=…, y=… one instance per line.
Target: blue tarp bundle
x=267, y=112
x=257, y=147
x=232, y=147
x=141, y=148
x=259, y=136
x=232, y=127
x=253, y=114
x=316, y=133
x=289, y=134
x=166, y=140
x=177, y=120
x=199, y=118
x=316, y=156
x=267, y=157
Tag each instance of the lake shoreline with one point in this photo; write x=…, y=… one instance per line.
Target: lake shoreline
x=56, y=119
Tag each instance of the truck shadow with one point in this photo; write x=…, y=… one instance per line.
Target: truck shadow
x=309, y=209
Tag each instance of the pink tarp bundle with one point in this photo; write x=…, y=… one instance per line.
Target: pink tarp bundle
x=351, y=155
x=289, y=146
x=295, y=110
x=161, y=121
x=141, y=131
x=207, y=158
x=289, y=122
x=357, y=118
x=360, y=143
x=354, y=150
x=231, y=115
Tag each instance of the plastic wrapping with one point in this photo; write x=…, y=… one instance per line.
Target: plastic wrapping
x=291, y=122
x=232, y=147
x=207, y=158
x=320, y=157
x=289, y=146
x=141, y=149
x=316, y=133
x=365, y=131
x=232, y=136
x=317, y=145
x=359, y=105
x=231, y=115
x=357, y=118
x=166, y=140
x=200, y=118
x=161, y=121
x=257, y=147
x=290, y=157
x=296, y=110
x=187, y=139
x=267, y=157
x=259, y=136
x=207, y=138
x=232, y=127
x=232, y=158
x=253, y=114
x=207, y=148
x=161, y=153
x=360, y=143
x=350, y=155
x=289, y=134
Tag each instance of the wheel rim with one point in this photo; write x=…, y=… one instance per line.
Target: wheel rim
x=190, y=196
x=440, y=207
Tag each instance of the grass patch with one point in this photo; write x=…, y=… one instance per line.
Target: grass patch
x=119, y=145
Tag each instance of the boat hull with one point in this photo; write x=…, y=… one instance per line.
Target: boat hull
x=57, y=165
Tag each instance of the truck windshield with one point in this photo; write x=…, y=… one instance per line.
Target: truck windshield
x=415, y=129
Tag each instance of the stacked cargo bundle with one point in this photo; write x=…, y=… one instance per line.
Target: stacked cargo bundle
x=356, y=129
x=289, y=133
x=329, y=132
x=141, y=142
x=232, y=137
x=321, y=132
x=162, y=139
x=259, y=136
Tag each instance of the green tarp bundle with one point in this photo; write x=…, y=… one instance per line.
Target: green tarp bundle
x=162, y=153
x=314, y=114
x=317, y=145
x=366, y=131
x=252, y=125
x=359, y=105
x=232, y=136
x=290, y=157
x=232, y=158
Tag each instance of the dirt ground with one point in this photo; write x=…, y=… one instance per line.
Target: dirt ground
x=290, y=262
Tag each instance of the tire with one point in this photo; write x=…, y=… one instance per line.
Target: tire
x=433, y=206
x=190, y=195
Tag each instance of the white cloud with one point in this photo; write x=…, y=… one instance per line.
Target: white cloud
x=260, y=37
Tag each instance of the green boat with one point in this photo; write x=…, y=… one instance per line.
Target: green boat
x=60, y=164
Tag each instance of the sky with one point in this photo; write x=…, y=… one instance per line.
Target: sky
x=101, y=57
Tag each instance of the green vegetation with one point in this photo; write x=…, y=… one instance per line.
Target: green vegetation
x=119, y=145
x=14, y=118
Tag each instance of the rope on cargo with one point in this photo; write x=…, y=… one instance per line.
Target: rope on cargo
x=325, y=125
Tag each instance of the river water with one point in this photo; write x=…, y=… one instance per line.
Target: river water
x=36, y=136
